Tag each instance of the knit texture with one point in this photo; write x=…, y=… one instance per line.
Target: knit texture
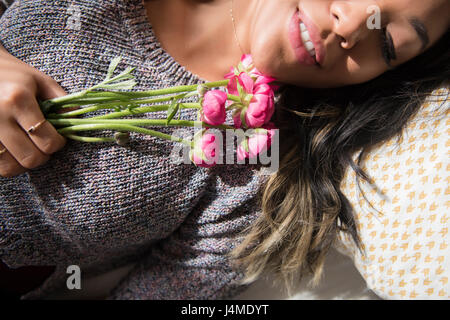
x=103, y=206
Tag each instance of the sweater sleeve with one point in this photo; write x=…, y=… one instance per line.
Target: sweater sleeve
x=192, y=262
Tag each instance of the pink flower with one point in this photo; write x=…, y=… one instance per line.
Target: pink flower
x=204, y=153
x=247, y=61
x=260, y=108
x=256, y=93
x=247, y=67
x=213, y=107
x=257, y=143
x=247, y=83
x=232, y=84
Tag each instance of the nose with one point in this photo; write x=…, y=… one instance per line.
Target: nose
x=349, y=21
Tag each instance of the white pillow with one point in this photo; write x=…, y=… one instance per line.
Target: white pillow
x=407, y=247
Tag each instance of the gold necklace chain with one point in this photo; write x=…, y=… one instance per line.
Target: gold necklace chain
x=234, y=26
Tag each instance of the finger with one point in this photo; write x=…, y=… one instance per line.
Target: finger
x=21, y=148
x=48, y=88
x=41, y=132
x=9, y=167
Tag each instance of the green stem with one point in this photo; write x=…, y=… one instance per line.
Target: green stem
x=84, y=102
x=109, y=103
x=135, y=122
x=146, y=109
x=75, y=113
x=89, y=139
x=177, y=89
x=122, y=128
x=96, y=108
x=136, y=94
x=68, y=97
x=113, y=105
x=233, y=98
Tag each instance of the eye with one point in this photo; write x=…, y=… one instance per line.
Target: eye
x=387, y=47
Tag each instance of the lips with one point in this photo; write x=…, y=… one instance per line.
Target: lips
x=301, y=52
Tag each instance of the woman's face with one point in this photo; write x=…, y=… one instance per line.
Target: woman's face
x=352, y=41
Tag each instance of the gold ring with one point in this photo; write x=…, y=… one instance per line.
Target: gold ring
x=2, y=151
x=36, y=126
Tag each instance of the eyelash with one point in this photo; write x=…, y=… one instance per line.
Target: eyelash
x=386, y=46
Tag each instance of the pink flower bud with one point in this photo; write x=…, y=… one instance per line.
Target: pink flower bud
x=213, y=107
x=260, y=109
x=246, y=67
x=204, y=152
x=249, y=67
x=256, y=94
x=237, y=120
x=257, y=143
x=263, y=80
x=232, y=84
x=246, y=82
x=247, y=61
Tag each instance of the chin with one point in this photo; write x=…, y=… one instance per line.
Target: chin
x=267, y=65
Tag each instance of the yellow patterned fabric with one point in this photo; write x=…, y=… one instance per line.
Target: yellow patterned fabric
x=406, y=243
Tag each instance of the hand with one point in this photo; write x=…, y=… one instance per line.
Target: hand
x=26, y=139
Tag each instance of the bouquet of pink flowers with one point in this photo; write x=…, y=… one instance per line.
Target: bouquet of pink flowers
x=245, y=91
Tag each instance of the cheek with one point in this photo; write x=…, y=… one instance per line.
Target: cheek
x=268, y=55
x=363, y=70
x=361, y=64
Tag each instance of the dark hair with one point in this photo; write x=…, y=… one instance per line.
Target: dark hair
x=320, y=130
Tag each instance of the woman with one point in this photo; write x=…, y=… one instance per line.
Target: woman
x=303, y=205
x=80, y=207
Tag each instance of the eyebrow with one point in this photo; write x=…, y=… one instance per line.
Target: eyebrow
x=421, y=31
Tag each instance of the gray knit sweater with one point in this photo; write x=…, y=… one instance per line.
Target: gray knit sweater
x=103, y=206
